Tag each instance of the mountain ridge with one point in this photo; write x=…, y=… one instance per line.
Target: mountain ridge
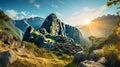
x=99, y=27
x=8, y=25
x=35, y=22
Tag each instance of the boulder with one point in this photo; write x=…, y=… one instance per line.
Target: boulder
x=7, y=58
x=102, y=60
x=87, y=63
x=93, y=56
x=79, y=56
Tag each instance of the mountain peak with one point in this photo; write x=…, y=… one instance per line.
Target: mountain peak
x=53, y=25
x=30, y=28
x=52, y=16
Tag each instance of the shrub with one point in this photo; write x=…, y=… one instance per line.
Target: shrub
x=112, y=55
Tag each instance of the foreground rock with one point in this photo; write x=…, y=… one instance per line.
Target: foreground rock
x=102, y=60
x=7, y=58
x=93, y=57
x=87, y=63
x=79, y=56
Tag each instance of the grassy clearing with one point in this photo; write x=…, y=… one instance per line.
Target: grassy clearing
x=51, y=40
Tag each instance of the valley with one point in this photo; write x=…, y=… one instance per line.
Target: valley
x=47, y=34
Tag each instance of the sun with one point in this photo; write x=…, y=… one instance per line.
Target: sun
x=87, y=21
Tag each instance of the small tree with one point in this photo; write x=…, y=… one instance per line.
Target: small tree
x=114, y=2
x=92, y=39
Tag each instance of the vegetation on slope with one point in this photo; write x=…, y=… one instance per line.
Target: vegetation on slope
x=7, y=25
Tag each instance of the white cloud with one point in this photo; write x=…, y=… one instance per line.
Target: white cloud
x=12, y=13
x=86, y=15
x=37, y=5
x=22, y=16
x=32, y=1
x=19, y=15
x=28, y=16
x=32, y=15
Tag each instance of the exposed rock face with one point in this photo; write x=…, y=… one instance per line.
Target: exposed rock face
x=28, y=33
x=74, y=33
x=7, y=58
x=87, y=63
x=79, y=56
x=53, y=25
x=69, y=47
x=33, y=36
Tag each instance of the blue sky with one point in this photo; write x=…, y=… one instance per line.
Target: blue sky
x=73, y=12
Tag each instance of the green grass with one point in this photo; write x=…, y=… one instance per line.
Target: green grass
x=39, y=57
x=43, y=58
x=51, y=40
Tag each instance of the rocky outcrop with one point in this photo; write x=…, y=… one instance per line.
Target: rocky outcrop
x=87, y=63
x=53, y=25
x=79, y=56
x=33, y=36
x=69, y=47
x=93, y=56
x=27, y=34
x=7, y=57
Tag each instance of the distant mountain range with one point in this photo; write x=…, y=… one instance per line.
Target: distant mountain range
x=99, y=27
x=35, y=22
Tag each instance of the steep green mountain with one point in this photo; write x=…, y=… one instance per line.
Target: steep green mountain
x=99, y=27
x=53, y=30
x=35, y=22
x=8, y=25
x=53, y=25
